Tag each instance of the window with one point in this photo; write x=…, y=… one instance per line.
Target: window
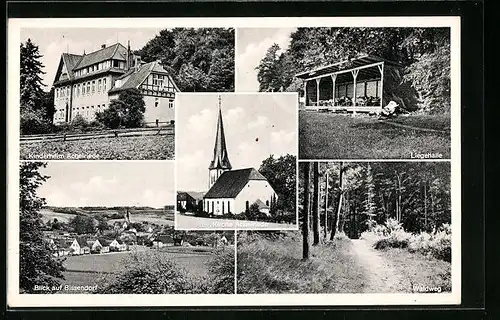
x=104, y=83
x=83, y=89
x=88, y=87
x=267, y=202
x=99, y=85
x=93, y=87
x=116, y=64
x=228, y=206
x=222, y=207
x=170, y=104
x=156, y=102
x=247, y=206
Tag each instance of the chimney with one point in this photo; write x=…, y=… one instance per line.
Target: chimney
x=103, y=46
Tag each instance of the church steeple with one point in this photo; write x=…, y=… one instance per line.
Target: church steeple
x=220, y=161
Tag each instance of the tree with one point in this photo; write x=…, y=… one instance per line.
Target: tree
x=199, y=59
x=335, y=223
x=305, y=213
x=315, y=203
x=281, y=174
x=127, y=111
x=37, y=265
x=32, y=95
x=82, y=224
x=102, y=223
x=325, y=234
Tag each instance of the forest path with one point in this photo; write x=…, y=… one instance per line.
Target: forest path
x=382, y=277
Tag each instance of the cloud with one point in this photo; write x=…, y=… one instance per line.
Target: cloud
x=234, y=114
x=261, y=121
x=198, y=122
x=282, y=142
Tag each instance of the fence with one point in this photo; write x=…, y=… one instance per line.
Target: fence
x=135, y=132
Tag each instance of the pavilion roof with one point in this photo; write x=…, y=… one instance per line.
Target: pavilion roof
x=345, y=65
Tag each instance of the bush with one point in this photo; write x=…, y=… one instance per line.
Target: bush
x=202, y=214
x=221, y=268
x=33, y=122
x=150, y=273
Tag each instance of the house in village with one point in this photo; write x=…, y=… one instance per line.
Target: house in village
x=163, y=240
x=84, y=245
x=233, y=191
x=62, y=247
x=189, y=201
x=118, y=245
x=86, y=84
x=365, y=83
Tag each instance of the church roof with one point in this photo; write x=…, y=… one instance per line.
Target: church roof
x=220, y=159
x=230, y=183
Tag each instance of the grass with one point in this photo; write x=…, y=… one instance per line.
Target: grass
x=48, y=214
x=435, y=121
x=419, y=269
x=334, y=136
x=275, y=266
x=122, y=148
x=89, y=270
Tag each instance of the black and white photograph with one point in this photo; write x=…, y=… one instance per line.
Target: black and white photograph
x=365, y=93
x=108, y=93
x=236, y=165
x=107, y=228
x=366, y=227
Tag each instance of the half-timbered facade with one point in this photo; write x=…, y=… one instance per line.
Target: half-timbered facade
x=360, y=84
x=86, y=84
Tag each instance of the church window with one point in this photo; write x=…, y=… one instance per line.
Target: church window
x=157, y=102
x=228, y=207
x=212, y=206
x=170, y=104
x=222, y=207
x=247, y=205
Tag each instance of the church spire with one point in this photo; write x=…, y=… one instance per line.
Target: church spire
x=220, y=158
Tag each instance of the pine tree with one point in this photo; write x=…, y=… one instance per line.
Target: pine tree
x=32, y=95
x=37, y=266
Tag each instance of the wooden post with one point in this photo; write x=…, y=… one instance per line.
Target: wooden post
x=317, y=91
x=334, y=79
x=305, y=93
x=354, y=75
x=326, y=207
x=381, y=69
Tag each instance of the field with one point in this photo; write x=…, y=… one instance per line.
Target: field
x=48, y=214
x=91, y=270
x=121, y=148
x=275, y=265
x=336, y=136
x=152, y=216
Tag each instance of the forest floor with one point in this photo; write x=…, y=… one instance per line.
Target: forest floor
x=267, y=265
x=339, y=136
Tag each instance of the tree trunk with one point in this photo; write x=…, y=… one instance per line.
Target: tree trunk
x=425, y=204
x=335, y=224
x=315, y=203
x=305, y=221
x=325, y=234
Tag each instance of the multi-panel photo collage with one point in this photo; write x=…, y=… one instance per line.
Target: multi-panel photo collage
x=253, y=162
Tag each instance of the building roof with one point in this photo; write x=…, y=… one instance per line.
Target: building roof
x=104, y=242
x=341, y=66
x=220, y=159
x=63, y=243
x=230, y=183
x=196, y=195
x=136, y=76
x=71, y=60
x=116, y=51
x=164, y=238
x=82, y=242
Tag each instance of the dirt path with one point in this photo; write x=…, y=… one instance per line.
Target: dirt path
x=382, y=276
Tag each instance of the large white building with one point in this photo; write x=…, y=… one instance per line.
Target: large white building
x=86, y=84
x=234, y=191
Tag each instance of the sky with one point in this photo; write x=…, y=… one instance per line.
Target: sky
x=251, y=46
x=108, y=183
x=53, y=42
x=255, y=126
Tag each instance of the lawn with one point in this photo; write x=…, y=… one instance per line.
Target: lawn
x=275, y=266
x=338, y=136
x=90, y=270
x=122, y=148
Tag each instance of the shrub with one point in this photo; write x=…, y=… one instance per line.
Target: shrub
x=221, y=269
x=33, y=122
x=202, y=214
x=150, y=273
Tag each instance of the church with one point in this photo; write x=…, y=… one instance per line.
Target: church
x=85, y=84
x=234, y=191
